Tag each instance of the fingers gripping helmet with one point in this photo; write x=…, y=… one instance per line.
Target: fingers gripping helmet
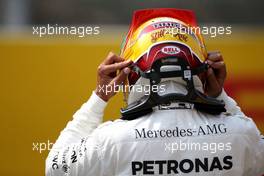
x=158, y=34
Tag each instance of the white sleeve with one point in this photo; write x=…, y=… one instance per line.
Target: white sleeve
x=256, y=143
x=230, y=104
x=254, y=154
x=259, y=147
x=77, y=151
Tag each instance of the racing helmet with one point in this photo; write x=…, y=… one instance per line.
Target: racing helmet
x=165, y=32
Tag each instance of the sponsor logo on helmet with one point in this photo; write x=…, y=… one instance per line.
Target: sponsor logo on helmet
x=166, y=25
x=171, y=50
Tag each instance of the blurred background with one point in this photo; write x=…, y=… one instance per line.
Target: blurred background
x=43, y=81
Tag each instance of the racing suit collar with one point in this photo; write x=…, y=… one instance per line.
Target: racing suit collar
x=169, y=85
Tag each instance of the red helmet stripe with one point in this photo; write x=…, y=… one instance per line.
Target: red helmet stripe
x=141, y=16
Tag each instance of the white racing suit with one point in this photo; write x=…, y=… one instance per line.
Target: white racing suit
x=168, y=141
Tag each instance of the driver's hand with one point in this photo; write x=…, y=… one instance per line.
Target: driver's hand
x=108, y=77
x=216, y=74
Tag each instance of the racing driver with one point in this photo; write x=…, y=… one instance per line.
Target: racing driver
x=185, y=124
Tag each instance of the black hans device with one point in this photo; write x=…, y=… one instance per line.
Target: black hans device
x=200, y=101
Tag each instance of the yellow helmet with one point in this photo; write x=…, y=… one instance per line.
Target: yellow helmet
x=156, y=33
